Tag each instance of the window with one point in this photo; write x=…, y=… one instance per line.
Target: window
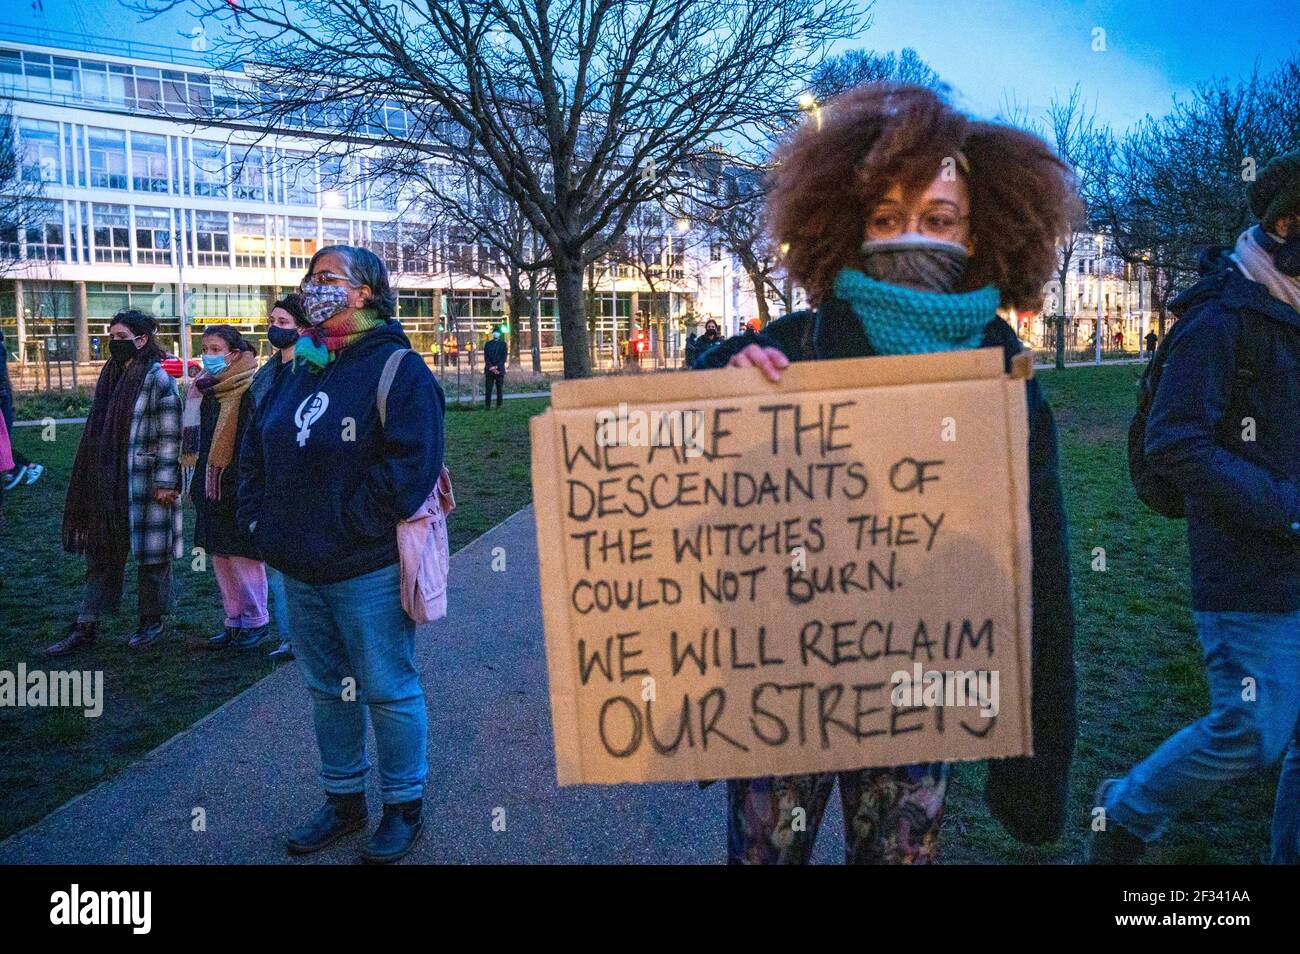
x=335, y=232
x=333, y=182
x=36, y=67
x=121, y=85
x=40, y=150
x=67, y=77
x=153, y=236
x=149, y=163
x=211, y=238
x=107, y=158
x=148, y=89
x=250, y=173
x=209, y=169
x=94, y=81
x=383, y=242
x=112, y=233
x=175, y=98
x=301, y=241
x=45, y=232
x=298, y=173
x=250, y=240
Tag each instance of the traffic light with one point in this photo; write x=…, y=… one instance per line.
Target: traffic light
x=641, y=343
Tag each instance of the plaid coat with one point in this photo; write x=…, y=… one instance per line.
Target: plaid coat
x=153, y=462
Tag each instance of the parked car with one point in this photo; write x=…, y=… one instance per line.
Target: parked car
x=172, y=365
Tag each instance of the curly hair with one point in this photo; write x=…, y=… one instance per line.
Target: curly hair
x=829, y=175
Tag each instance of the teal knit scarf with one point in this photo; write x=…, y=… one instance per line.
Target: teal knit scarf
x=901, y=320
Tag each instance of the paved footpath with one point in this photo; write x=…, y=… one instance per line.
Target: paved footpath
x=251, y=765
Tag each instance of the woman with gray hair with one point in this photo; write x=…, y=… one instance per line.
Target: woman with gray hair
x=324, y=483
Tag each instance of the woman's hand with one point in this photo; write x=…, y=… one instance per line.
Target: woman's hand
x=770, y=360
x=166, y=495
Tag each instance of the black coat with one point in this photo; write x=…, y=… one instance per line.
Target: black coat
x=494, y=354
x=215, y=528
x=1027, y=795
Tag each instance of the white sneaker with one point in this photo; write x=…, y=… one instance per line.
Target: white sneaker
x=34, y=472
x=14, y=477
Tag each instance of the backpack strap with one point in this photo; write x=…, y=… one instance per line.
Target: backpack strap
x=386, y=382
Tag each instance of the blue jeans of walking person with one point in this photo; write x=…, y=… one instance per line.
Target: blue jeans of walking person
x=1252, y=663
x=279, y=602
x=356, y=630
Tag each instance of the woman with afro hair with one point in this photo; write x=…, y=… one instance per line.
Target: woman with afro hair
x=909, y=225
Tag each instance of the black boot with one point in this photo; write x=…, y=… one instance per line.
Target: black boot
x=396, y=834
x=80, y=636
x=340, y=815
x=146, y=634
x=224, y=639
x=251, y=638
x=1114, y=844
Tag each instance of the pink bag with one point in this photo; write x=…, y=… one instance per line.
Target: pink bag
x=425, y=555
x=6, y=449
x=422, y=537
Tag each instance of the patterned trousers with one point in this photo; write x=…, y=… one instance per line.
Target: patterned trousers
x=892, y=816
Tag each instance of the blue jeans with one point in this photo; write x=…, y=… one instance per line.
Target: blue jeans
x=355, y=648
x=279, y=603
x=1252, y=663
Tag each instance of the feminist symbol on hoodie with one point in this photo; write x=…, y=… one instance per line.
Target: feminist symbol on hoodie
x=309, y=411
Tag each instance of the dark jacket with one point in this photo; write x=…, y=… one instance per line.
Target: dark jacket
x=1242, y=496
x=494, y=354
x=1027, y=795
x=216, y=528
x=325, y=484
x=265, y=378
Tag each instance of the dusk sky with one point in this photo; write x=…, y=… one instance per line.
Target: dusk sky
x=990, y=51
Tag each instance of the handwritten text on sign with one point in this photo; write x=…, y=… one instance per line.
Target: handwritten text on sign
x=801, y=578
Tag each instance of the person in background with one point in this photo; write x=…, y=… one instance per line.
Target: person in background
x=1152, y=340
x=1233, y=449
x=20, y=470
x=1119, y=341
x=217, y=411
x=494, y=367
x=123, y=493
x=287, y=319
x=898, y=221
x=707, y=340
x=323, y=487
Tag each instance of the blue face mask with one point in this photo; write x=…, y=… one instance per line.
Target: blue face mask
x=214, y=364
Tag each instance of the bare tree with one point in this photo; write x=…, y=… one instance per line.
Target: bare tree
x=620, y=94
x=22, y=185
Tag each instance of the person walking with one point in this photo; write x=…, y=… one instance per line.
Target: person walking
x=217, y=411
x=123, y=493
x=901, y=257
x=1152, y=339
x=287, y=318
x=1222, y=430
x=494, y=367
x=323, y=487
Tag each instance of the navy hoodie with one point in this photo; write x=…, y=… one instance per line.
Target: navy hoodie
x=323, y=483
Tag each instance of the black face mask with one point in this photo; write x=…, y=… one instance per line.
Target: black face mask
x=282, y=338
x=122, y=349
x=1285, y=252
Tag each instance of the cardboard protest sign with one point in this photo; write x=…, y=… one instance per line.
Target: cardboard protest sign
x=741, y=578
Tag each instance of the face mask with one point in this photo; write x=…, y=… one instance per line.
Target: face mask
x=324, y=302
x=214, y=364
x=282, y=337
x=915, y=261
x=122, y=349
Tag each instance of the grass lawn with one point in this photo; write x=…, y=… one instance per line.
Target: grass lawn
x=1138, y=660
x=49, y=755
